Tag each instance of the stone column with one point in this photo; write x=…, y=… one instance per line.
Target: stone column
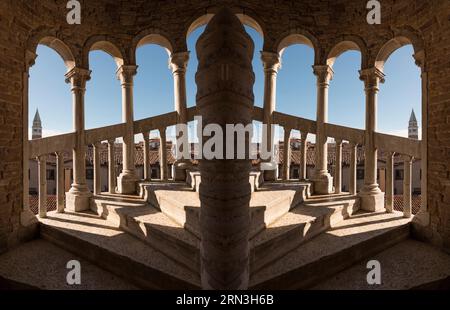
x=287, y=153
x=127, y=180
x=304, y=154
x=111, y=167
x=323, y=182
x=353, y=168
x=178, y=65
x=272, y=64
x=390, y=182
x=60, y=191
x=97, y=172
x=225, y=191
x=338, y=168
x=27, y=218
x=407, y=190
x=372, y=198
x=163, y=153
x=79, y=197
x=42, y=172
x=147, y=172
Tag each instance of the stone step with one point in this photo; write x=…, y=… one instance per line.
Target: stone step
x=409, y=264
x=39, y=264
x=153, y=227
x=268, y=204
x=361, y=236
x=102, y=243
x=296, y=227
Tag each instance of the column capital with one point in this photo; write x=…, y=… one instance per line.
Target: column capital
x=78, y=77
x=125, y=73
x=338, y=141
x=97, y=144
x=59, y=154
x=271, y=61
x=407, y=158
x=419, y=58
x=41, y=158
x=372, y=77
x=324, y=73
x=111, y=141
x=30, y=58
x=146, y=136
x=178, y=61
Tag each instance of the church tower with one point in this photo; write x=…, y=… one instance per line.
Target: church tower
x=413, y=129
x=37, y=126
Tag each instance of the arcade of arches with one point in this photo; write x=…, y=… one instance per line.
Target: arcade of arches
x=330, y=28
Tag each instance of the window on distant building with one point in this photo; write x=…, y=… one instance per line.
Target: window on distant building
x=50, y=174
x=360, y=174
x=89, y=174
x=398, y=174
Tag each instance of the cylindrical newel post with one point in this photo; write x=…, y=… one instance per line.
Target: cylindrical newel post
x=225, y=96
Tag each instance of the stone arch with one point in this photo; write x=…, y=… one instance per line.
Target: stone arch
x=348, y=43
x=105, y=44
x=299, y=36
x=247, y=19
x=401, y=37
x=151, y=36
x=49, y=39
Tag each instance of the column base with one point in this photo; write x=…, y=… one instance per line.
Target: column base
x=27, y=218
x=77, y=201
x=372, y=201
x=126, y=183
x=323, y=184
x=179, y=170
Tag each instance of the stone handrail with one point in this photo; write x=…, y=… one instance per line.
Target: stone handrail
x=400, y=145
x=51, y=145
x=349, y=134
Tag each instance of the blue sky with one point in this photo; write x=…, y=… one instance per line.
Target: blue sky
x=296, y=88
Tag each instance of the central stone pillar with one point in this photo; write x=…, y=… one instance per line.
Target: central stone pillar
x=79, y=197
x=323, y=182
x=126, y=182
x=372, y=198
x=225, y=96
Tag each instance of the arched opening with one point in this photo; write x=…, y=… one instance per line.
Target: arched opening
x=400, y=107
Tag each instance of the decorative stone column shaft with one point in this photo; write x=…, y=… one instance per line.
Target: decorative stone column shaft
x=272, y=63
x=323, y=182
x=79, y=197
x=225, y=96
x=178, y=65
x=372, y=198
x=127, y=180
x=407, y=183
x=60, y=190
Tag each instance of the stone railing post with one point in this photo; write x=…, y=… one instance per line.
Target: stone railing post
x=353, y=168
x=286, y=153
x=111, y=166
x=147, y=172
x=97, y=172
x=338, y=168
x=323, y=182
x=60, y=190
x=407, y=183
x=163, y=153
x=390, y=182
x=78, y=198
x=372, y=198
x=42, y=172
x=127, y=180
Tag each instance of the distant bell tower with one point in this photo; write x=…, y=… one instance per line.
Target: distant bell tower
x=37, y=126
x=413, y=129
